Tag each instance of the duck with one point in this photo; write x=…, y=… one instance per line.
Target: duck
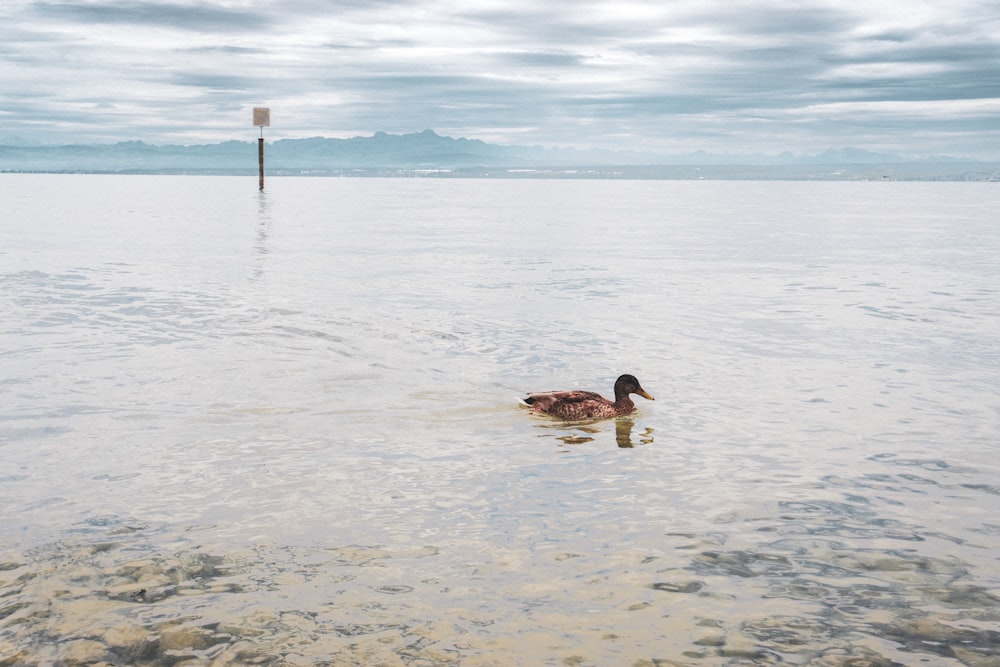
x=578, y=405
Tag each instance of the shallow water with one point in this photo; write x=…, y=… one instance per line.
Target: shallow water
x=282, y=428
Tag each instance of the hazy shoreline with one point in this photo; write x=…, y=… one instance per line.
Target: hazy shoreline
x=429, y=154
x=954, y=172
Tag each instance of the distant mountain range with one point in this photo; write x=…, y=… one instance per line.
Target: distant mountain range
x=429, y=153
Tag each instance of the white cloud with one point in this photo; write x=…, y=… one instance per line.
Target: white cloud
x=720, y=76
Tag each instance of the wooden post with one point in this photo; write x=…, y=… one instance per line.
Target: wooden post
x=260, y=159
x=261, y=119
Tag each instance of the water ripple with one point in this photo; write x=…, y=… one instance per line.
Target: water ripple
x=237, y=430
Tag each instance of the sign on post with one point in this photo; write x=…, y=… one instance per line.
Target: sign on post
x=261, y=117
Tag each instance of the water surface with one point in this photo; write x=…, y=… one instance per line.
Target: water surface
x=282, y=427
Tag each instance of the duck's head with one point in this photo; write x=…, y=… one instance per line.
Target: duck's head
x=627, y=384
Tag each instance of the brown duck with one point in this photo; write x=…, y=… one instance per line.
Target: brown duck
x=575, y=404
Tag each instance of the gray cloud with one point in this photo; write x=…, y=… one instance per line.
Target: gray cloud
x=762, y=75
x=186, y=16
x=215, y=82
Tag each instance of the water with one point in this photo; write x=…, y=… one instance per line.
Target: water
x=281, y=428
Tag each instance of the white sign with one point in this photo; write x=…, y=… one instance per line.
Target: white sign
x=261, y=117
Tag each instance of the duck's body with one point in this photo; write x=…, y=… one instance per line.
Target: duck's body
x=576, y=404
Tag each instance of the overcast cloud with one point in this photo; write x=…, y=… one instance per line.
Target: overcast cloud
x=673, y=76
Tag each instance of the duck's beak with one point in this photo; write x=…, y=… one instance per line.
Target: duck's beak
x=642, y=392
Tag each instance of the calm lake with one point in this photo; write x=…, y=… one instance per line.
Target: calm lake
x=282, y=428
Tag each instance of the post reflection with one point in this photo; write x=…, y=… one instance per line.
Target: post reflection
x=260, y=246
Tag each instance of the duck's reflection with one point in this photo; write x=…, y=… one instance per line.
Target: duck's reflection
x=623, y=433
x=581, y=433
x=574, y=439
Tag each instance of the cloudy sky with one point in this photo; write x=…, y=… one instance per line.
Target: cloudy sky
x=729, y=76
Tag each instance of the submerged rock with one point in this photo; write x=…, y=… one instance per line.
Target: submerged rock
x=179, y=638
x=131, y=643
x=82, y=652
